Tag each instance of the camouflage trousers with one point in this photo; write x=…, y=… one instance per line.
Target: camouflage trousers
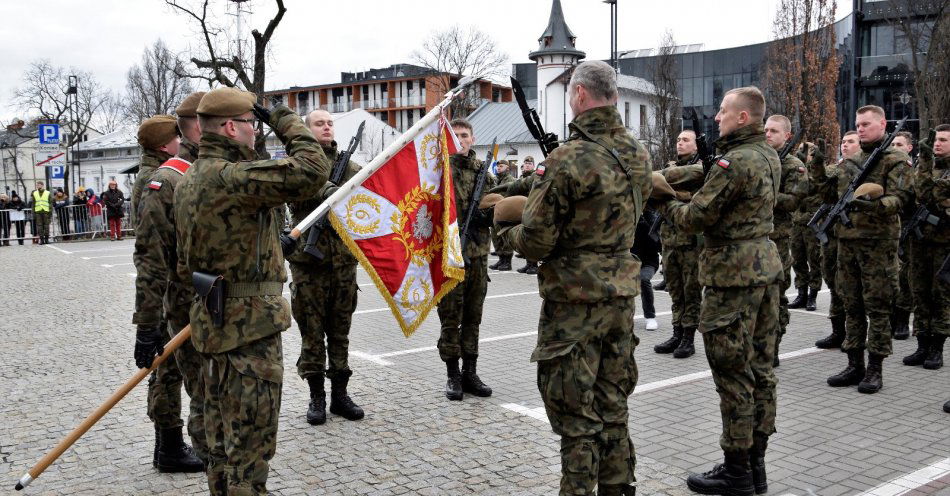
x=904, y=299
x=829, y=270
x=460, y=312
x=188, y=371
x=739, y=327
x=867, y=281
x=784, y=252
x=501, y=244
x=323, y=299
x=681, y=270
x=164, y=392
x=586, y=372
x=42, y=223
x=806, y=258
x=242, y=404
x=931, y=296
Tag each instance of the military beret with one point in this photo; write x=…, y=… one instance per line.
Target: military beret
x=189, y=106
x=869, y=191
x=226, y=102
x=510, y=209
x=156, y=131
x=661, y=189
x=490, y=200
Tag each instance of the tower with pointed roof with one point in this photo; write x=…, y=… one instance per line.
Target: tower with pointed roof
x=555, y=56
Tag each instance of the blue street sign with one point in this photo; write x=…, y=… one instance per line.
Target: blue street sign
x=57, y=172
x=49, y=134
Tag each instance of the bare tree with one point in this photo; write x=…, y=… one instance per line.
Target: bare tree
x=661, y=135
x=460, y=51
x=156, y=85
x=926, y=27
x=46, y=92
x=802, y=67
x=224, y=62
x=112, y=114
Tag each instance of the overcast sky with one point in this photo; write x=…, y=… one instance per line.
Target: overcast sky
x=318, y=39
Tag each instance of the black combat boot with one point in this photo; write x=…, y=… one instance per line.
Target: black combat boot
x=853, y=373
x=685, y=348
x=494, y=266
x=453, y=387
x=873, y=380
x=470, y=382
x=900, y=323
x=757, y=464
x=946, y=407
x=531, y=268
x=801, y=300
x=935, y=358
x=836, y=338
x=923, y=350
x=174, y=455
x=670, y=344
x=732, y=478
x=616, y=490
x=504, y=263
x=812, y=304
x=340, y=402
x=317, y=411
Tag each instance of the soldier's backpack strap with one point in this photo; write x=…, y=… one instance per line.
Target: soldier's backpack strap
x=637, y=195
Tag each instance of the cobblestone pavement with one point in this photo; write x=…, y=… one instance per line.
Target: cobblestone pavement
x=66, y=344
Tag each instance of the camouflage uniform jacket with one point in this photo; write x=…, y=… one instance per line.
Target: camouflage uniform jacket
x=504, y=178
x=187, y=150
x=932, y=185
x=156, y=254
x=892, y=172
x=734, y=211
x=464, y=173
x=224, y=210
x=671, y=237
x=151, y=160
x=582, y=212
x=336, y=254
x=789, y=196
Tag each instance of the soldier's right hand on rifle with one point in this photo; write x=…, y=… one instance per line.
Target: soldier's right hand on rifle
x=148, y=344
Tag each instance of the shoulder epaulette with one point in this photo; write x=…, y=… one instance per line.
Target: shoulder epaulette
x=176, y=164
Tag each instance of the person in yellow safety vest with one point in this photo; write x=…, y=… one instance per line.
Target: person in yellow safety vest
x=41, y=212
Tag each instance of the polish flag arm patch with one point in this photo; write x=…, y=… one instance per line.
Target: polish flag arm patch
x=724, y=163
x=155, y=185
x=540, y=170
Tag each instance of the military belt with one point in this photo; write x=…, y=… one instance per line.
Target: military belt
x=248, y=289
x=716, y=243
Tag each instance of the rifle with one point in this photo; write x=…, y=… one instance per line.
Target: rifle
x=790, y=145
x=921, y=215
x=336, y=177
x=839, y=211
x=703, y=150
x=547, y=141
x=819, y=215
x=476, y=198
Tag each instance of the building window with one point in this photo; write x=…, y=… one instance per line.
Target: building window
x=626, y=114
x=409, y=118
x=643, y=120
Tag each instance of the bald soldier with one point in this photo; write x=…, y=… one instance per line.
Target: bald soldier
x=228, y=244
x=741, y=272
x=778, y=130
x=904, y=299
x=323, y=295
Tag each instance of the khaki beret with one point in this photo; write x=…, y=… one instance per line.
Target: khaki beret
x=189, y=106
x=661, y=189
x=490, y=200
x=156, y=131
x=685, y=176
x=226, y=102
x=869, y=191
x=510, y=209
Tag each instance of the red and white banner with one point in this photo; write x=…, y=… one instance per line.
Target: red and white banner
x=402, y=225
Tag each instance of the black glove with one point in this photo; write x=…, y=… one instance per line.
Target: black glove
x=287, y=244
x=330, y=189
x=261, y=113
x=818, y=156
x=926, y=148
x=148, y=344
x=484, y=217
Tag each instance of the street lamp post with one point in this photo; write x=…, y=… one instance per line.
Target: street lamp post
x=73, y=89
x=613, y=34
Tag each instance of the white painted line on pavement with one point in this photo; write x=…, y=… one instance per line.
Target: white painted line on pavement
x=109, y=266
x=511, y=294
x=107, y=256
x=370, y=358
x=807, y=312
x=536, y=413
x=59, y=249
x=133, y=275
x=795, y=293
x=911, y=481
x=104, y=249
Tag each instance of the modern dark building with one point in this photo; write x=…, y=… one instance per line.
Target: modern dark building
x=876, y=68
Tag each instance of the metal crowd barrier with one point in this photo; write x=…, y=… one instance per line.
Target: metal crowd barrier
x=69, y=222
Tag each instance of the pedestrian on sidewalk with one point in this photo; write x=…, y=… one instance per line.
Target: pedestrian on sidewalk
x=113, y=198
x=80, y=215
x=648, y=251
x=94, y=205
x=4, y=220
x=60, y=202
x=17, y=215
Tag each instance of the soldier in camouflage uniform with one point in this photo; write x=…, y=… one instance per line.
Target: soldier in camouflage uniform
x=522, y=187
x=778, y=130
x=806, y=250
x=580, y=220
x=867, y=252
x=931, y=295
x=154, y=233
x=323, y=296
x=904, y=299
x=224, y=211
x=502, y=248
x=460, y=311
x=681, y=259
x=741, y=272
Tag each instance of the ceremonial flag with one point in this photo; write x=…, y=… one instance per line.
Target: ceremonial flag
x=402, y=226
